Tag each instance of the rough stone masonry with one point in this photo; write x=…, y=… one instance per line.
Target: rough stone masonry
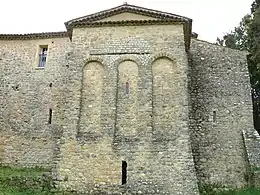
x=127, y=102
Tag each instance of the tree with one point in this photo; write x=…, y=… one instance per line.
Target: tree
x=247, y=37
x=254, y=60
x=238, y=38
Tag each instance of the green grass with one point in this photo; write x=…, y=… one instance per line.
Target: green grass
x=21, y=181
x=248, y=191
x=21, y=172
x=12, y=182
x=251, y=191
x=218, y=189
x=8, y=190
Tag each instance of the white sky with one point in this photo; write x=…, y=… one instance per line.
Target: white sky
x=211, y=18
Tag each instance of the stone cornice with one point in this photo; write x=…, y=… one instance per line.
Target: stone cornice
x=125, y=23
x=32, y=36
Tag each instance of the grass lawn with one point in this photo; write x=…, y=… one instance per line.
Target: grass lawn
x=21, y=172
x=251, y=191
x=12, y=181
x=8, y=190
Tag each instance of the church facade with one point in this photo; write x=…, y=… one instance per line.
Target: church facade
x=127, y=101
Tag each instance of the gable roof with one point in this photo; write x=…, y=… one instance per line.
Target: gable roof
x=159, y=18
x=92, y=20
x=131, y=9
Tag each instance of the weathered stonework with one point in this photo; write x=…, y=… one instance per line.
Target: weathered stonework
x=219, y=85
x=26, y=99
x=127, y=85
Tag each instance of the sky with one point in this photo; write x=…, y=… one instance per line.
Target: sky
x=211, y=18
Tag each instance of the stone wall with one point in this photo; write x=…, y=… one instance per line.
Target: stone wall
x=27, y=94
x=135, y=126
x=128, y=93
x=220, y=110
x=252, y=143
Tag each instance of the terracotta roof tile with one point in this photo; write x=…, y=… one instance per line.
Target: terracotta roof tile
x=45, y=35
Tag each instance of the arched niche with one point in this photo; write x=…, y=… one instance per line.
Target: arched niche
x=91, y=98
x=165, y=95
x=127, y=98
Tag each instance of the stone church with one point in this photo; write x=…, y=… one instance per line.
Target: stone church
x=127, y=101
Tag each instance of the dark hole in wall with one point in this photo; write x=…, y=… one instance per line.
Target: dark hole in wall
x=124, y=172
x=66, y=178
x=16, y=88
x=50, y=116
x=50, y=85
x=127, y=88
x=214, y=116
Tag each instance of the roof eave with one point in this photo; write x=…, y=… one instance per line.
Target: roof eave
x=31, y=36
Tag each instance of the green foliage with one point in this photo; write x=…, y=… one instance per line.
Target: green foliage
x=247, y=37
x=254, y=60
x=218, y=189
x=8, y=190
x=27, y=181
x=254, y=46
x=248, y=191
x=238, y=38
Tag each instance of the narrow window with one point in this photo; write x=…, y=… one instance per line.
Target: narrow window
x=126, y=88
x=43, y=56
x=124, y=172
x=50, y=115
x=214, y=116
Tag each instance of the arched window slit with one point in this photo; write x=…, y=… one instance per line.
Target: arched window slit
x=127, y=88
